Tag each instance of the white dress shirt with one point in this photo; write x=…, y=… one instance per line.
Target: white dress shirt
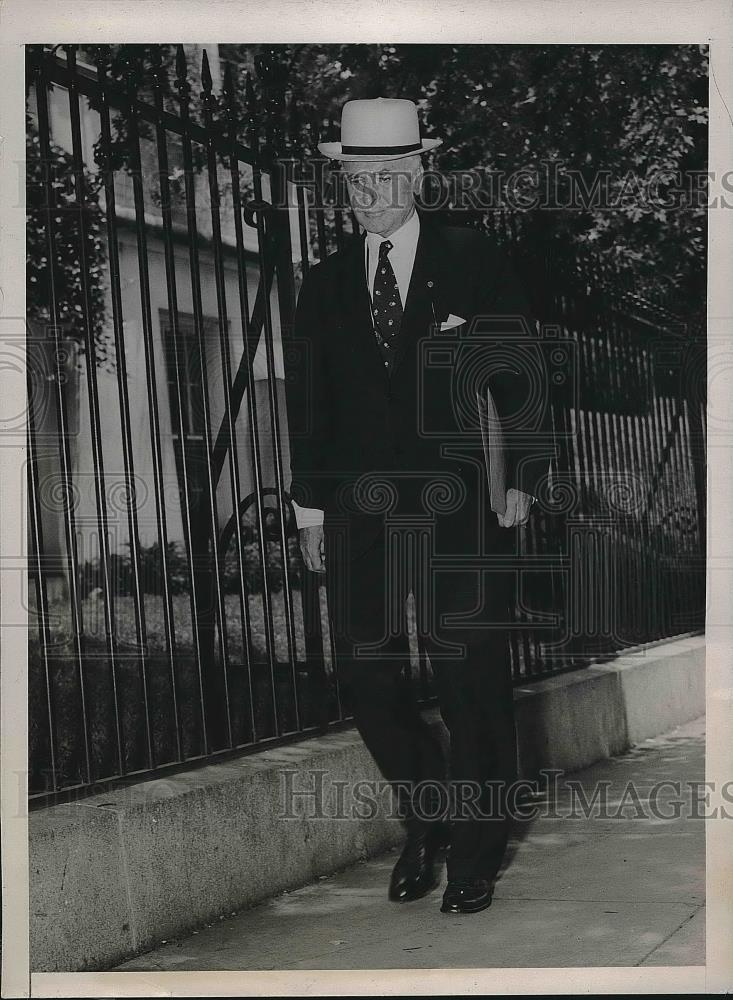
x=402, y=259
x=401, y=256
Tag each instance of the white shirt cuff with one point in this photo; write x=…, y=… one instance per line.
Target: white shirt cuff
x=307, y=517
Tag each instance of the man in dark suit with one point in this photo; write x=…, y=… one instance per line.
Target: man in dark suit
x=418, y=441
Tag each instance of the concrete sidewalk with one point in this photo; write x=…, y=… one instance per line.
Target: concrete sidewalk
x=586, y=891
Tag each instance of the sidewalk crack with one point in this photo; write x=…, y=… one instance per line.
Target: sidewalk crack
x=671, y=934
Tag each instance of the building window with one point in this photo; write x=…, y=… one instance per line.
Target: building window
x=185, y=376
x=188, y=383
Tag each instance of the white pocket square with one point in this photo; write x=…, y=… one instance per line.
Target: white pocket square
x=452, y=321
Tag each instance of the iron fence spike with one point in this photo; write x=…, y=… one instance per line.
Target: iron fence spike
x=206, y=80
x=181, y=64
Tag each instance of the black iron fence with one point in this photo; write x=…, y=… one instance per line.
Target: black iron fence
x=171, y=619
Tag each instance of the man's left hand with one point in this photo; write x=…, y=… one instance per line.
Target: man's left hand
x=517, y=509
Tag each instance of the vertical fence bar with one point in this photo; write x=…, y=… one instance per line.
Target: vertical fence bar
x=664, y=481
x=212, y=529
x=675, y=425
x=640, y=438
x=295, y=129
x=644, y=550
x=618, y=533
x=698, y=535
x=624, y=520
x=249, y=353
x=632, y=520
x=302, y=221
x=573, y=471
x=564, y=420
x=60, y=405
x=690, y=461
x=585, y=464
x=531, y=531
x=251, y=333
x=604, y=464
x=614, y=543
x=100, y=487
x=334, y=669
x=552, y=539
x=286, y=306
x=674, y=421
x=36, y=561
x=656, y=441
x=128, y=450
x=229, y=421
x=672, y=428
x=309, y=585
x=318, y=164
x=656, y=610
x=152, y=396
x=338, y=220
x=269, y=74
x=206, y=689
x=263, y=242
x=596, y=464
x=692, y=541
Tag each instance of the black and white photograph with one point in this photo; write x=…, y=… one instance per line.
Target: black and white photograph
x=364, y=531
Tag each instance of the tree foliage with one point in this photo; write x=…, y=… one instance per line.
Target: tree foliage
x=74, y=220
x=635, y=115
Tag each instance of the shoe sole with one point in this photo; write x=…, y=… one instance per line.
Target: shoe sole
x=412, y=899
x=476, y=908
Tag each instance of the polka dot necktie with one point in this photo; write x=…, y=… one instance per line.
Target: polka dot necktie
x=386, y=302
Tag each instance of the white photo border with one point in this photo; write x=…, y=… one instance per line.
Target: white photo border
x=280, y=21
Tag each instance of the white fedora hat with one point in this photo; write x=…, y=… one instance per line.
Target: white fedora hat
x=381, y=129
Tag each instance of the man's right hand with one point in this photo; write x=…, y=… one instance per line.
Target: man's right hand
x=312, y=548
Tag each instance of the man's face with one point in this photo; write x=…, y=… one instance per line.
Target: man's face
x=382, y=193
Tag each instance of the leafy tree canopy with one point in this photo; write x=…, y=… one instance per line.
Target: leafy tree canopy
x=632, y=116
x=627, y=122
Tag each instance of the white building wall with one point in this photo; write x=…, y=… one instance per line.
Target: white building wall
x=109, y=406
x=139, y=405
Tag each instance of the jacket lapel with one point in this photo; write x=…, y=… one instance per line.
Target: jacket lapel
x=354, y=302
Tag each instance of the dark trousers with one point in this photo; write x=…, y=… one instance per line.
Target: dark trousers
x=473, y=685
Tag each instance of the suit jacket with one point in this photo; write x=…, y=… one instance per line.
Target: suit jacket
x=366, y=442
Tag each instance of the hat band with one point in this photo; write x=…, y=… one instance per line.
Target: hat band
x=385, y=150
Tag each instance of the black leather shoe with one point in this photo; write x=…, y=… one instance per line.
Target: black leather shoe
x=467, y=895
x=414, y=874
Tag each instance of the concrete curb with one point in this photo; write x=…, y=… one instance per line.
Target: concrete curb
x=119, y=872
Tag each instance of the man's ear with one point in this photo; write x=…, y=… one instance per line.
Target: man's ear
x=417, y=177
